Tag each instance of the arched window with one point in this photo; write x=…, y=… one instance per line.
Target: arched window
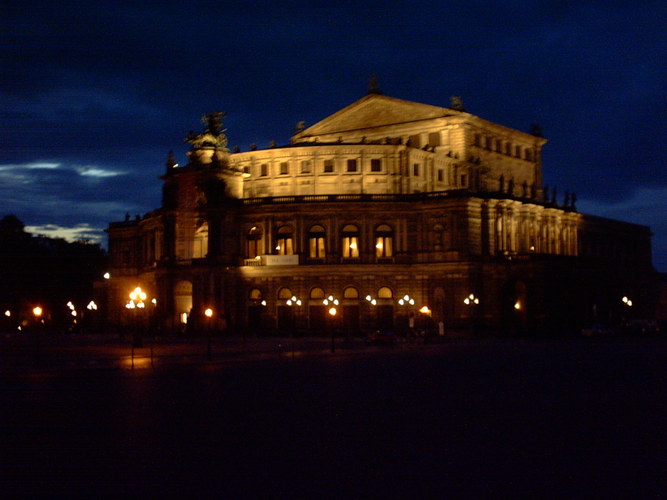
x=350, y=293
x=316, y=293
x=285, y=294
x=316, y=242
x=384, y=241
x=350, y=242
x=254, y=242
x=385, y=293
x=285, y=241
x=255, y=294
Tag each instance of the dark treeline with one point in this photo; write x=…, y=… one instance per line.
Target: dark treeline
x=49, y=272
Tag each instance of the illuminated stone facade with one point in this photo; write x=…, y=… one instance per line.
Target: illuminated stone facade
x=386, y=206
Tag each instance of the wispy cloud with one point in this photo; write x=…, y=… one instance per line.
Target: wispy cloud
x=78, y=232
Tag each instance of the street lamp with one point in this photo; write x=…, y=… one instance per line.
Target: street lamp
x=208, y=313
x=333, y=303
x=136, y=302
x=472, y=301
x=409, y=301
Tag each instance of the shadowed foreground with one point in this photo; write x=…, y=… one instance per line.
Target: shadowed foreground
x=482, y=418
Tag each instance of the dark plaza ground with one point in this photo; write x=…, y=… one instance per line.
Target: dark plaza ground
x=472, y=418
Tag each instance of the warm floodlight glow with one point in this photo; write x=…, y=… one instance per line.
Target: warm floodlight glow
x=154, y=301
x=353, y=245
x=401, y=302
x=107, y=276
x=278, y=248
x=8, y=313
x=378, y=245
x=406, y=298
x=263, y=303
x=332, y=311
x=373, y=301
x=517, y=305
x=627, y=301
x=208, y=312
x=425, y=310
x=369, y=298
x=298, y=302
x=37, y=311
x=91, y=306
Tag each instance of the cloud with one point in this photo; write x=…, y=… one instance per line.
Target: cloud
x=79, y=232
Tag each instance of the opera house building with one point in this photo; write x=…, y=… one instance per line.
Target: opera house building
x=388, y=214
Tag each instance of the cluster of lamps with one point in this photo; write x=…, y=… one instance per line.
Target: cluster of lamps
x=627, y=301
x=471, y=300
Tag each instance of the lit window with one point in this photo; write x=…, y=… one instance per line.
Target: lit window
x=385, y=293
x=254, y=243
x=351, y=165
x=350, y=293
x=316, y=243
x=284, y=241
x=350, y=242
x=384, y=238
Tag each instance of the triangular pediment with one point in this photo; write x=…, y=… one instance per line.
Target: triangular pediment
x=374, y=111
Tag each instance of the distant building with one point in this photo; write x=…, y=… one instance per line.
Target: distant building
x=390, y=208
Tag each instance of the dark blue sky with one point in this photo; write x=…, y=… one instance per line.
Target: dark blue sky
x=93, y=95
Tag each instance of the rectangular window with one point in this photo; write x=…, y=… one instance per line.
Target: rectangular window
x=517, y=151
x=528, y=154
x=499, y=146
x=316, y=247
x=414, y=141
x=305, y=167
x=376, y=165
x=434, y=139
x=350, y=247
x=415, y=169
x=464, y=180
x=383, y=246
x=508, y=149
x=489, y=143
x=478, y=140
x=264, y=170
x=351, y=165
x=284, y=169
x=328, y=166
x=441, y=175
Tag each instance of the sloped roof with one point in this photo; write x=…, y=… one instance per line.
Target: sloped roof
x=374, y=110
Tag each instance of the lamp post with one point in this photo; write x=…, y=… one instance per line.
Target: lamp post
x=409, y=301
x=472, y=301
x=293, y=302
x=332, y=302
x=208, y=313
x=136, y=302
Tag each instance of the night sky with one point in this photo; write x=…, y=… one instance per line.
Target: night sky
x=93, y=95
